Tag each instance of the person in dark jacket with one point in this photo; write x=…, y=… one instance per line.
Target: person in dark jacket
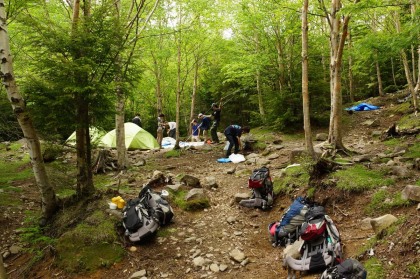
x=205, y=126
x=233, y=134
x=137, y=120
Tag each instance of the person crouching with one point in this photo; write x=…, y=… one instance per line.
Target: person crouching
x=233, y=135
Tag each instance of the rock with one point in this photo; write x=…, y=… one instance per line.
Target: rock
x=295, y=154
x=157, y=178
x=237, y=233
x=245, y=262
x=138, y=274
x=293, y=250
x=381, y=223
x=400, y=171
x=273, y=156
x=140, y=162
x=133, y=249
x=321, y=137
x=199, y=261
x=252, y=155
x=210, y=182
x=231, y=219
x=365, y=224
x=376, y=134
x=15, y=249
x=231, y=170
x=242, y=196
x=195, y=194
x=411, y=192
x=190, y=181
x=237, y=255
x=6, y=254
x=174, y=187
x=214, y=267
x=371, y=123
x=263, y=162
x=390, y=163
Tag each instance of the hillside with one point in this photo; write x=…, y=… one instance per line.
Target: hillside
x=214, y=232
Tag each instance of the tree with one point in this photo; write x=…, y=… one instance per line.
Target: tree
x=305, y=91
x=48, y=198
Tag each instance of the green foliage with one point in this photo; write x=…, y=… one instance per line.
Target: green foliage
x=165, y=232
x=393, y=142
x=90, y=245
x=382, y=202
x=358, y=178
x=374, y=268
x=293, y=177
x=400, y=109
x=9, y=127
x=414, y=268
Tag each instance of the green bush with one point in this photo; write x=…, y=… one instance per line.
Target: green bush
x=374, y=268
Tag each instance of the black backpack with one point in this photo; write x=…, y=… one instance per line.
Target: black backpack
x=131, y=219
x=348, y=269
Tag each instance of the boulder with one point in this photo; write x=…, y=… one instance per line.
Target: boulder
x=321, y=137
x=381, y=223
x=195, y=194
x=237, y=255
x=191, y=181
x=411, y=192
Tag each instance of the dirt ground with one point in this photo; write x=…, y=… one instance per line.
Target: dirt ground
x=208, y=232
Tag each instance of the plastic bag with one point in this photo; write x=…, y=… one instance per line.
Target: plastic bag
x=237, y=158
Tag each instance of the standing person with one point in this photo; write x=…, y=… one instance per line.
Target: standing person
x=233, y=134
x=195, y=131
x=172, y=129
x=205, y=126
x=216, y=121
x=137, y=120
x=161, y=126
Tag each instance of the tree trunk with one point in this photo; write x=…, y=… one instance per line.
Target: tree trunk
x=351, y=85
x=378, y=75
x=258, y=79
x=120, y=130
x=337, y=45
x=305, y=90
x=393, y=72
x=48, y=198
x=194, y=91
x=84, y=185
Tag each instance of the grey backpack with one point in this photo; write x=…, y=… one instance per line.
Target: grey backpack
x=348, y=269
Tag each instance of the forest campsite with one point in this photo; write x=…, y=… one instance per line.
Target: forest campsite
x=319, y=100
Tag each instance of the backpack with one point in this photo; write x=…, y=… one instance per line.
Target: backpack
x=286, y=231
x=322, y=247
x=144, y=215
x=348, y=269
x=137, y=221
x=262, y=189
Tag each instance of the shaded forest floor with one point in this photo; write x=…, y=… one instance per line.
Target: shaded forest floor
x=208, y=232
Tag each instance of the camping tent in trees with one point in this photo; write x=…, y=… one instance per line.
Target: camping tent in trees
x=135, y=138
x=95, y=136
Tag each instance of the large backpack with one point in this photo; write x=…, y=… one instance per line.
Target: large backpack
x=322, y=245
x=138, y=221
x=144, y=215
x=349, y=269
x=262, y=189
x=286, y=231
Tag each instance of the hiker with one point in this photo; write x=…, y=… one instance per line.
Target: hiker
x=171, y=126
x=137, y=120
x=233, y=134
x=160, y=128
x=205, y=126
x=195, y=130
x=216, y=121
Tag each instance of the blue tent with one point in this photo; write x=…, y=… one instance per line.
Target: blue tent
x=363, y=107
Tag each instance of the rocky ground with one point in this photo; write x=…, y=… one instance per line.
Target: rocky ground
x=227, y=240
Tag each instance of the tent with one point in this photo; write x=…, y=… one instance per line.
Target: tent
x=135, y=138
x=363, y=107
x=95, y=136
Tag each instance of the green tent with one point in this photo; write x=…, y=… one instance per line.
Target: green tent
x=95, y=136
x=135, y=138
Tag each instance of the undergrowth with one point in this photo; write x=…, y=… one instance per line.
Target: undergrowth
x=383, y=201
x=358, y=178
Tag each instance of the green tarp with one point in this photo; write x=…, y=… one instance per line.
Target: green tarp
x=135, y=138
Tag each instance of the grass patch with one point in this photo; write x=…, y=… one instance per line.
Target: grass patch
x=414, y=268
x=409, y=122
x=393, y=142
x=178, y=198
x=374, y=268
x=90, y=245
x=382, y=201
x=293, y=177
x=358, y=178
x=418, y=182
x=15, y=171
x=165, y=232
x=173, y=153
x=400, y=109
x=413, y=151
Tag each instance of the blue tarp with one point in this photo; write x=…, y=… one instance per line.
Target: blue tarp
x=363, y=107
x=224, y=160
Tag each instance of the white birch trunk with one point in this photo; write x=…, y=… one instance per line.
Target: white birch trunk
x=48, y=198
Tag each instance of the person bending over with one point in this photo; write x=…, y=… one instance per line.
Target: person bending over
x=233, y=134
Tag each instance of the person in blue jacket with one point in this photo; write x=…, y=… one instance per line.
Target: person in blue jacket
x=233, y=134
x=205, y=126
